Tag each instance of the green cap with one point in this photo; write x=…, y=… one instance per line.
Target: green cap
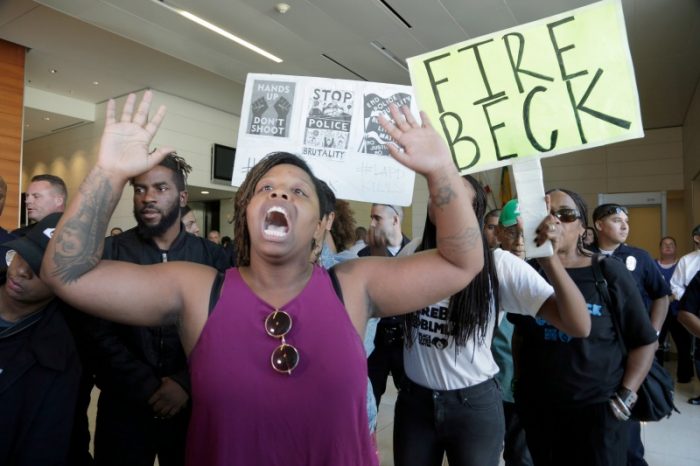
x=509, y=213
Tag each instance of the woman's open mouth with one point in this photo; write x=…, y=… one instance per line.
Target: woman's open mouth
x=276, y=223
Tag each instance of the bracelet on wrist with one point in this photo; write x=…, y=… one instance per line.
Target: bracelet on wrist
x=618, y=408
x=627, y=396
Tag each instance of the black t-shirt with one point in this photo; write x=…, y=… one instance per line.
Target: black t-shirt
x=566, y=371
x=691, y=298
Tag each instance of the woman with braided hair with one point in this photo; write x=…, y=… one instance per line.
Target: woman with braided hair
x=574, y=395
x=449, y=402
x=277, y=333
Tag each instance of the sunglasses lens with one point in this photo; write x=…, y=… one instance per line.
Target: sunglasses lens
x=567, y=215
x=285, y=358
x=278, y=324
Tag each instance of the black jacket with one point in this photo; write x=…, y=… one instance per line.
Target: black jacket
x=366, y=251
x=38, y=389
x=132, y=360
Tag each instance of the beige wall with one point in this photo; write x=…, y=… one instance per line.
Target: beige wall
x=691, y=160
x=11, y=108
x=677, y=225
x=189, y=127
x=651, y=164
x=654, y=163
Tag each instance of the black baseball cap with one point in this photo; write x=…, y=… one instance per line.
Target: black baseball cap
x=604, y=210
x=32, y=246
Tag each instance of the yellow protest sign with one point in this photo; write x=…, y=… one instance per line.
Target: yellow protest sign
x=540, y=89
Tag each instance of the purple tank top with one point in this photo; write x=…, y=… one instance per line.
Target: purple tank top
x=245, y=413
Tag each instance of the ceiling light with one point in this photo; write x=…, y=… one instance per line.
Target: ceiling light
x=282, y=8
x=53, y=71
x=220, y=31
x=95, y=83
x=388, y=54
x=333, y=60
x=205, y=192
x=47, y=118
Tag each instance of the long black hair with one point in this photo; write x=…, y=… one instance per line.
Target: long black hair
x=469, y=310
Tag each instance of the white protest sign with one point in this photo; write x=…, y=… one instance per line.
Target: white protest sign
x=332, y=124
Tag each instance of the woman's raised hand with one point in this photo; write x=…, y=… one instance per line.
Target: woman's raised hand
x=550, y=230
x=424, y=151
x=124, y=148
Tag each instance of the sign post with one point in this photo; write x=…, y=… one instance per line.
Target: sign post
x=528, y=179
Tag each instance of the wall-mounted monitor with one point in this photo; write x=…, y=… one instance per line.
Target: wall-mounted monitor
x=222, y=158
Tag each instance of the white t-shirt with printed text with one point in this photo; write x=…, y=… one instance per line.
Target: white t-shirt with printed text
x=431, y=361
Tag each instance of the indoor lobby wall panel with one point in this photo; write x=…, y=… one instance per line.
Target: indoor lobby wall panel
x=12, y=59
x=642, y=168
x=647, y=183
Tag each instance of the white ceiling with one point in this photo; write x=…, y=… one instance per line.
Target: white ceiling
x=127, y=45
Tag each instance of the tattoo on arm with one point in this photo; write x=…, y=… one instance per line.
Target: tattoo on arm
x=443, y=192
x=460, y=243
x=79, y=243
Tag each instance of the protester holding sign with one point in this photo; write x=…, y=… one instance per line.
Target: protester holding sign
x=574, y=395
x=449, y=402
x=275, y=337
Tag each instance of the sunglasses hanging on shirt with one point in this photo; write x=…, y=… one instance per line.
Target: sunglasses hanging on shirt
x=284, y=358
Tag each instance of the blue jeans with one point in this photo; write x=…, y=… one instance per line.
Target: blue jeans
x=467, y=424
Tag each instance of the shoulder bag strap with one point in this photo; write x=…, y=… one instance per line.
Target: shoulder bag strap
x=336, y=284
x=216, y=291
x=601, y=285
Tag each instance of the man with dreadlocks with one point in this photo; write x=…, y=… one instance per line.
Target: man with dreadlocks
x=143, y=410
x=449, y=402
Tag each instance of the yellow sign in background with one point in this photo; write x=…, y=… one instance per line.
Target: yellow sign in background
x=540, y=89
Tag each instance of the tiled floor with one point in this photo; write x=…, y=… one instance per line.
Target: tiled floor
x=676, y=441
x=671, y=442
